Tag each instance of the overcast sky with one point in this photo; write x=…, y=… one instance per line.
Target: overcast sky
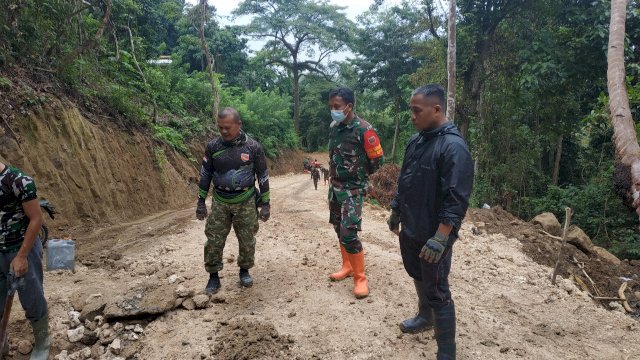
x=353, y=8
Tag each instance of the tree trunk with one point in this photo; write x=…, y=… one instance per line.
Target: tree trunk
x=205, y=50
x=624, y=133
x=144, y=78
x=451, y=63
x=296, y=98
x=70, y=57
x=397, y=130
x=556, y=163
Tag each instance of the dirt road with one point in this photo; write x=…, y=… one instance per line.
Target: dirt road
x=506, y=307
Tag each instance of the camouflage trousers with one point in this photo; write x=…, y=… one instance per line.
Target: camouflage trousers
x=346, y=218
x=244, y=219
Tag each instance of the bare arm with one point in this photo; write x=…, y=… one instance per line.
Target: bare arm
x=20, y=265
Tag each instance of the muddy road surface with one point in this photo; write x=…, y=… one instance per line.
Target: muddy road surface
x=507, y=308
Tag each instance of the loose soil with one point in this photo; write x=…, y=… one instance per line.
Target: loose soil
x=544, y=250
x=507, y=308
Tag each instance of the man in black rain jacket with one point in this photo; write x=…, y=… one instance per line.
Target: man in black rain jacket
x=433, y=195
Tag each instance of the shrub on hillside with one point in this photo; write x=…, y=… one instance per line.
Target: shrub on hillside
x=384, y=184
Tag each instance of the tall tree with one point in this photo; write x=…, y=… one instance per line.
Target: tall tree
x=624, y=132
x=207, y=53
x=301, y=34
x=451, y=62
x=387, y=56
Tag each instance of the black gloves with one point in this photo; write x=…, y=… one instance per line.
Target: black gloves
x=201, y=209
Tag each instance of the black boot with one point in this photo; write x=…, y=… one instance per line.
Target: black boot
x=423, y=321
x=213, y=285
x=245, y=278
x=445, y=319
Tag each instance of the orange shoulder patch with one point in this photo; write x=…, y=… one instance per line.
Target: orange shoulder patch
x=372, y=145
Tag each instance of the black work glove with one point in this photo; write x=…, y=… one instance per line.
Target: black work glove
x=394, y=221
x=434, y=248
x=201, y=209
x=265, y=212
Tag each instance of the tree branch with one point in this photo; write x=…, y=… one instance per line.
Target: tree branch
x=432, y=29
x=92, y=42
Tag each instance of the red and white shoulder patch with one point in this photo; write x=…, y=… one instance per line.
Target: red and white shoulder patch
x=372, y=145
x=244, y=157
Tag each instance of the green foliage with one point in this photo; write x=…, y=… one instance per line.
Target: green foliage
x=266, y=116
x=5, y=83
x=171, y=137
x=160, y=162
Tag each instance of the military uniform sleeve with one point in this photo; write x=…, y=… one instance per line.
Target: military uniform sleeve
x=373, y=149
x=456, y=177
x=206, y=173
x=262, y=174
x=24, y=188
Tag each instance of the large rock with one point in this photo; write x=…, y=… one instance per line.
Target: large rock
x=578, y=238
x=549, y=223
x=603, y=254
x=92, y=309
x=151, y=299
x=201, y=301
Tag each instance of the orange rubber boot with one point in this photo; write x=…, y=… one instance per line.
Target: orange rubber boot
x=346, y=270
x=360, y=283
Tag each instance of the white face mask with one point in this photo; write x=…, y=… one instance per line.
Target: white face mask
x=338, y=116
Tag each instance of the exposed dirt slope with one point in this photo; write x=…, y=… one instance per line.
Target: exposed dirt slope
x=544, y=249
x=95, y=173
x=506, y=306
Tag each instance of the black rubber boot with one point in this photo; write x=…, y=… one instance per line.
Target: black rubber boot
x=445, y=334
x=213, y=285
x=423, y=321
x=245, y=278
x=43, y=340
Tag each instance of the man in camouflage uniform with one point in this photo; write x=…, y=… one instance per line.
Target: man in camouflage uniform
x=315, y=175
x=232, y=162
x=21, y=253
x=354, y=153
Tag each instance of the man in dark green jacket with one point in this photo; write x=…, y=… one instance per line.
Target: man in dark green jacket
x=434, y=188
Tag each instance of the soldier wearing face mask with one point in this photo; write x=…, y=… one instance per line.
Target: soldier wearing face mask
x=354, y=154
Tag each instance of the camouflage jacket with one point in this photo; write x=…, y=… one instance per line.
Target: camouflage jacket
x=233, y=168
x=15, y=189
x=354, y=153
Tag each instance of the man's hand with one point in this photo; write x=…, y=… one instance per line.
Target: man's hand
x=265, y=212
x=201, y=209
x=434, y=248
x=394, y=222
x=19, y=265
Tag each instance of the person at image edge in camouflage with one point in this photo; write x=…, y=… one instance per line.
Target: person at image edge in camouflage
x=21, y=253
x=232, y=162
x=354, y=153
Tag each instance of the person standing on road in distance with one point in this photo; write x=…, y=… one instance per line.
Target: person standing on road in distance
x=315, y=174
x=21, y=253
x=433, y=195
x=354, y=153
x=325, y=175
x=233, y=162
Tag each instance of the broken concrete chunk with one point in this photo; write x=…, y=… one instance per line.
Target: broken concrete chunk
x=189, y=304
x=153, y=299
x=92, y=309
x=76, y=334
x=201, y=301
